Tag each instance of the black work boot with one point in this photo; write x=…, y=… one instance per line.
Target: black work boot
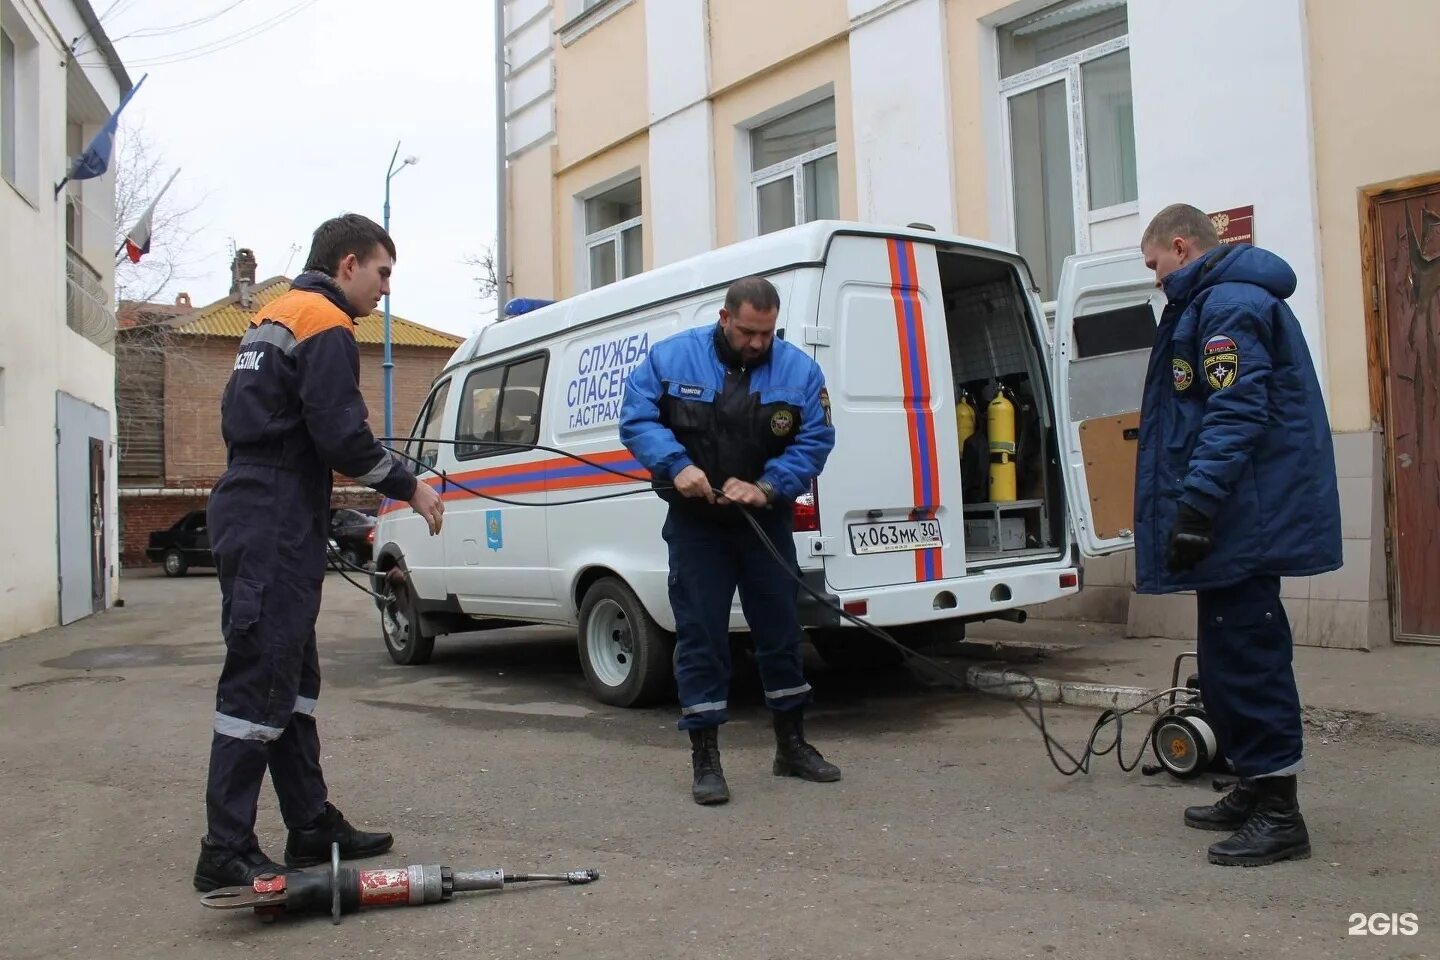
x=311, y=845
x=793, y=756
x=710, y=786
x=1229, y=812
x=1274, y=832
x=222, y=867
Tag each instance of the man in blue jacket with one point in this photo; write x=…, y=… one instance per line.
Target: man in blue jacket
x=1235, y=488
x=291, y=412
x=728, y=418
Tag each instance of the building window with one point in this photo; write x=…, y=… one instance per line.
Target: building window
x=19, y=106
x=796, y=175
x=614, y=236
x=8, y=100
x=1069, y=168
x=500, y=405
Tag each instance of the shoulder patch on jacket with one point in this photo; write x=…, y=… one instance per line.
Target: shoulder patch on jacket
x=1222, y=362
x=1184, y=374
x=305, y=314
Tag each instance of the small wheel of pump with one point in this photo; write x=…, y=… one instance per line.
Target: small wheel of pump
x=406, y=639
x=175, y=563
x=1184, y=745
x=626, y=656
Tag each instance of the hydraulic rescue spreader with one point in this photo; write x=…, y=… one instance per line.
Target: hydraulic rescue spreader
x=343, y=890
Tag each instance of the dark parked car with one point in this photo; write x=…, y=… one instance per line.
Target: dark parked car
x=185, y=545
x=353, y=532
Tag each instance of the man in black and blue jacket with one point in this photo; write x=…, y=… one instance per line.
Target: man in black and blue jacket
x=1235, y=489
x=291, y=413
x=728, y=418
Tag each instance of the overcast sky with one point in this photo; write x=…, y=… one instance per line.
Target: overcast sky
x=277, y=132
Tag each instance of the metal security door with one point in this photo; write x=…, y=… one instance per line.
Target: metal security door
x=83, y=562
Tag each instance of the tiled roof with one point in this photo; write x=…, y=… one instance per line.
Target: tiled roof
x=227, y=318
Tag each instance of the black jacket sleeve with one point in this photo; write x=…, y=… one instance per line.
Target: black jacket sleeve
x=328, y=365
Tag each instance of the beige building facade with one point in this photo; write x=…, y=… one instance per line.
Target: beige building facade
x=641, y=132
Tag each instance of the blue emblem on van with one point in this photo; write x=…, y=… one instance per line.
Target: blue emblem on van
x=494, y=533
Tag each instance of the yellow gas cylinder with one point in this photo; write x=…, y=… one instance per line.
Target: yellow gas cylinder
x=1000, y=423
x=965, y=418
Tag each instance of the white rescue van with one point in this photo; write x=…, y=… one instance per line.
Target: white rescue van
x=907, y=526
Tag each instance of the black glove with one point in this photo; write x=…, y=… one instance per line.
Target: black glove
x=1191, y=540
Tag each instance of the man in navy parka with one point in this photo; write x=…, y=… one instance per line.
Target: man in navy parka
x=1235, y=489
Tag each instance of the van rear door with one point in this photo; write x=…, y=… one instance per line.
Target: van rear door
x=889, y=498
x=1105, y=318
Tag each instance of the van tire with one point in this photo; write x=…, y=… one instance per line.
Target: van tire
x=847, y=650
x=625, y=654
x=407, y=639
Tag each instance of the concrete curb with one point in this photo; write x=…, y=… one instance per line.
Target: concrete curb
x=1074, y=693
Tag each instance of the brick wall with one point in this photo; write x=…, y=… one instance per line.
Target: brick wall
x=199, y=367
x=196, y=371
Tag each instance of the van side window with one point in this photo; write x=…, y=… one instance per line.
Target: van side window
x=500, y=405
x=423, y=447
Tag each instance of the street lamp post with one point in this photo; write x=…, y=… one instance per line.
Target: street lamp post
x=388, y=364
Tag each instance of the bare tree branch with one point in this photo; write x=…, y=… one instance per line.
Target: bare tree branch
x=487, y=284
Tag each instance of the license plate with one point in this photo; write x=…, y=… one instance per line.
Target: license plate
x=894, y=536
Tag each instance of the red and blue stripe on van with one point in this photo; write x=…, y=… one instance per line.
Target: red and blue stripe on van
x=917, y=398
x=535, y=476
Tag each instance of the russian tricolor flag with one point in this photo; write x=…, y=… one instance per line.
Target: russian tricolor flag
x=137, y=241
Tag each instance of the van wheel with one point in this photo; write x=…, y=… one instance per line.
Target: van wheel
x=846, y=650
x=406, y=639
x=624, y=653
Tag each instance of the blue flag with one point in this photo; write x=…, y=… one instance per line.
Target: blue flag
x=96, y=158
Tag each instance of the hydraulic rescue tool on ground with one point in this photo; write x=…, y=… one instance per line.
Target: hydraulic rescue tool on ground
x=343, y=890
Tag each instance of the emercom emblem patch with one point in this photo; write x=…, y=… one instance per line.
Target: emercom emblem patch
x=781, y=422
x=1184, y=374
x=1222, y=362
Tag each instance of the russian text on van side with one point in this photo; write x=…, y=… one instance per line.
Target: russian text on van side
x=594, y=396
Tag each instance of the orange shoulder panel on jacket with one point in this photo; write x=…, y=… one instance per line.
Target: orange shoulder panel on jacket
x=304, y=314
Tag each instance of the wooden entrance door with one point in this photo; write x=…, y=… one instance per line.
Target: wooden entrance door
x=1407, y=273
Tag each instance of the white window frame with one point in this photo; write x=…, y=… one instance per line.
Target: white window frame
x=613, y=234
x=25, y=122
x=584, y=241
x=748, y=179
x=793, y=168
x=1066, y=70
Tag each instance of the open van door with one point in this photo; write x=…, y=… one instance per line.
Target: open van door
x=1106, y=314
